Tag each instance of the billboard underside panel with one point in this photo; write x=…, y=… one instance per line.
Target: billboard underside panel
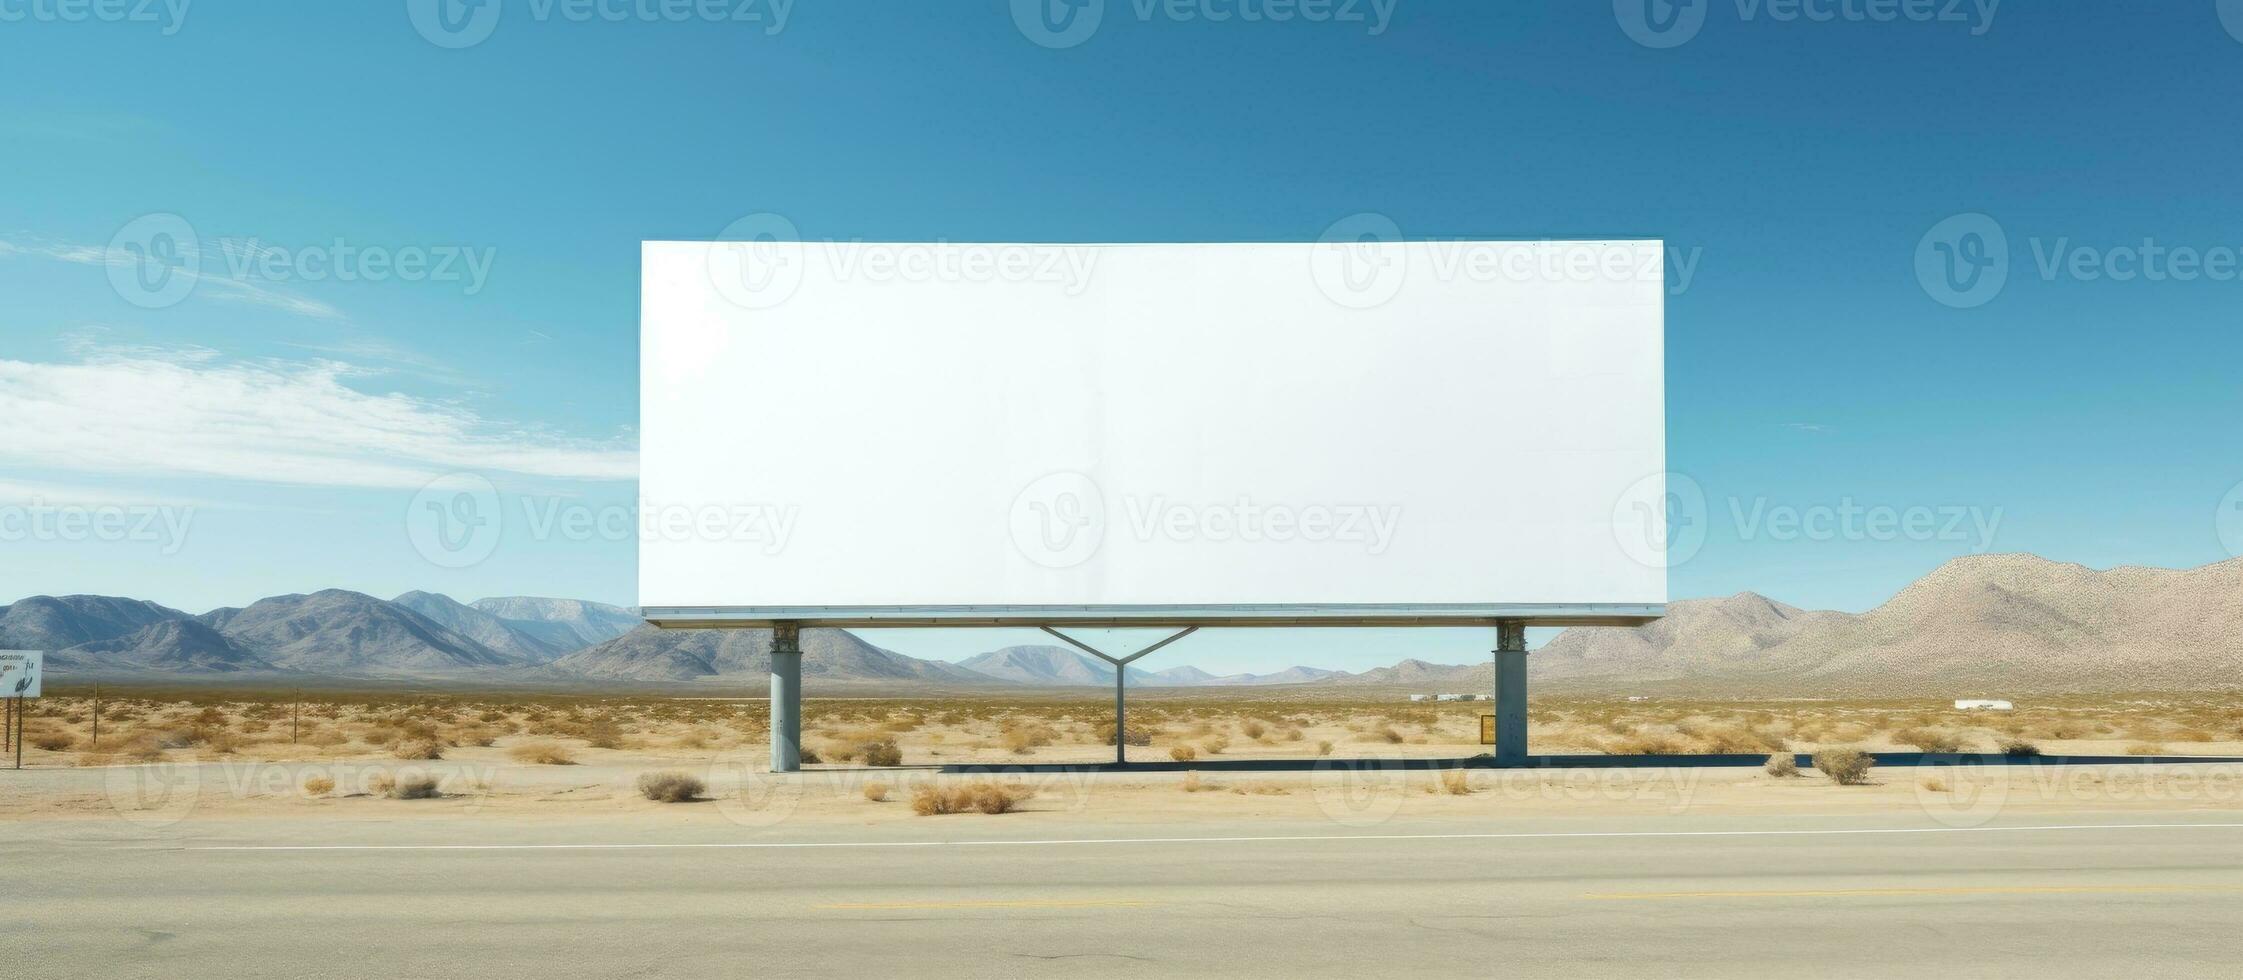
x=1237, y=434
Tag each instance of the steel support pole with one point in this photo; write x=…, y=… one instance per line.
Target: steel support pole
x=786, y=698
x=1121, y=718
x=1121, y=675
x=1510, y=692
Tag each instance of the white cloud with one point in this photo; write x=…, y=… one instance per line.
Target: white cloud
x=224, y=287
x=146, y=412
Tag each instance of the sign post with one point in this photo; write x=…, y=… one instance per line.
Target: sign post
x=20, y=674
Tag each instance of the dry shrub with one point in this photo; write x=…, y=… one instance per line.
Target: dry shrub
x=670, y=787
x=1646, y=743
x=1382, y=733
x=876, y=792
x=1934, y=784
x=602, y=733
x=51, y=741
x=1323, y=748
x=1253, y=729
x=1192, y=784
x=1456, y=782
x=1929, y=740
x=983, y=795
x=1844, y=766
x=542, y=754
x=2018, y=748
x=1135, y=735
x=881, y=753
x=1021, y=738
x=1262, y=789
x=1215, y=745
x=418, y=748
x=417, y=787
x=1183, y=753
x=1783, y=765
x=1737, y=740
x=2145, y=748
x=318, y=786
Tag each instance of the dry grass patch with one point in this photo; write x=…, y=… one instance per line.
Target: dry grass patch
x=418, y=749
x=876, y=792
x=1844, y=766
x=1456, y=782
x=670, y=787
x=982, y=795
x=542, y=754
x=404, y=787
x=318, y=786
x=1783, y=765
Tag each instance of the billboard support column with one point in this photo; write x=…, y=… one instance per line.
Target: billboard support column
x=1510, y=693
x=786, y=698
x=1121, y=673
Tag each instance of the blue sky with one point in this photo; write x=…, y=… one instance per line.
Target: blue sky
x=282, y=418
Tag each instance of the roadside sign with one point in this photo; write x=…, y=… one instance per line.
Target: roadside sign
x=20, y=672
x=1487, y=729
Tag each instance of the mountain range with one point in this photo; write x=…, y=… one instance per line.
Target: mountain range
x=1982, y=625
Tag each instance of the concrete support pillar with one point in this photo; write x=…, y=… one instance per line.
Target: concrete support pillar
x=786, y=698
x=1510, y=693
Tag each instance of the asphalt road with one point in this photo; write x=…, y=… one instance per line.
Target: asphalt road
x=1715, y=897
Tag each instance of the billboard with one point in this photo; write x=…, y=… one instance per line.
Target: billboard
x=20, y=673
x=1336, y=432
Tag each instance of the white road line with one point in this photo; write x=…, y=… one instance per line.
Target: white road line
x=1551, y=835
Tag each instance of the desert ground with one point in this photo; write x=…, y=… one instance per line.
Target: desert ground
x=557, y=755
x=469, y=835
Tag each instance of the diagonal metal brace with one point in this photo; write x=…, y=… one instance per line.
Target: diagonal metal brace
x=1121, y=672
x=1095, y=652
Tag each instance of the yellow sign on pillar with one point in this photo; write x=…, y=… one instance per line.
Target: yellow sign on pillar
x=1487, y=729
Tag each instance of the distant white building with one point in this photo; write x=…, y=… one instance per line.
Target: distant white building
x=1981, y=704
x=1421, y=697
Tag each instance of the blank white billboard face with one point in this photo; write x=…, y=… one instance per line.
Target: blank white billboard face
x=1438, y=430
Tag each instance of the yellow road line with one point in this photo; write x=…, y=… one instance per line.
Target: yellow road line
x=1908, y=892
x=1022, y=904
